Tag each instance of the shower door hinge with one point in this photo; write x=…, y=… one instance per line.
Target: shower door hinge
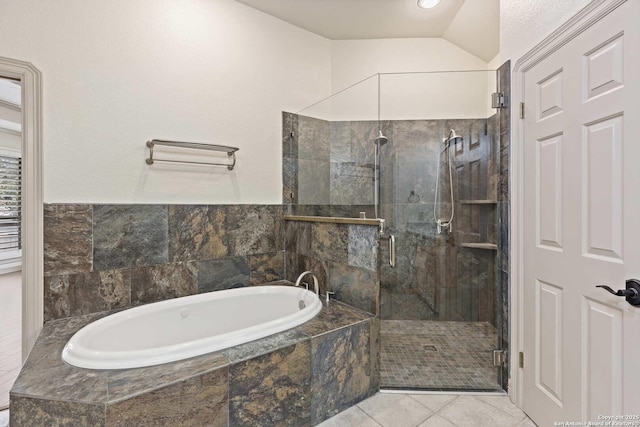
x=522, y=110
x=498, y=357
x=497, y=100
x=521, y=360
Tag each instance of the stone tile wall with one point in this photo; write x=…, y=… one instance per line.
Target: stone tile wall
x=105, y=257
x=503, y=280
x=343, y=256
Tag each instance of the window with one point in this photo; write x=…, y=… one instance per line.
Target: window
x=10, y=175
x=10, y=210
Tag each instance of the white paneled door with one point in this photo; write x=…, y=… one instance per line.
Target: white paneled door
x=582, y=225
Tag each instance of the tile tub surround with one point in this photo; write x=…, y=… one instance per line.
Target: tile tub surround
x=298, y=377
x=343, y=256
x=105, y=257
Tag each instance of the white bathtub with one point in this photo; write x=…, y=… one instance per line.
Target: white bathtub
x=185, y=327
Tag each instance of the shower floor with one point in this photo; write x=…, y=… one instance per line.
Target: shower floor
x=438, y=355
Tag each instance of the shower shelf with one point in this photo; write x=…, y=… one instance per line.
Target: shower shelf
x=231, y=152
x=490, y=246
x=478, y=202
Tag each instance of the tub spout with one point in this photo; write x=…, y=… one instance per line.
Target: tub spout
x=316, y=287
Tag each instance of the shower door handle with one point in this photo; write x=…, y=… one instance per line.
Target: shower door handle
x=392, y=250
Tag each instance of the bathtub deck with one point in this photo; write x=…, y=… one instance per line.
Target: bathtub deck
x=294, y=373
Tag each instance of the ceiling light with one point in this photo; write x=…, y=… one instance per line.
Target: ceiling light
x=428, y=4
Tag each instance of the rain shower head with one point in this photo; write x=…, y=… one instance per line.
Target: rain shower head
x=381, y=139
x=452, y=135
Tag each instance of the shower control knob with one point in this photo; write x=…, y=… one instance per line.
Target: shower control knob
x=631, y=293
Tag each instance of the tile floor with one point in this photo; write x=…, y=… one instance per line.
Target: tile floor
x=10, y=334
x=432, y=410
x=438, y=355
x=421, y=410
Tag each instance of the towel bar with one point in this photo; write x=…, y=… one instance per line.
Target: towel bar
x=231, y=152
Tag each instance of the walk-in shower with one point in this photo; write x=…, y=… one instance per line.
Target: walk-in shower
x=426, y=153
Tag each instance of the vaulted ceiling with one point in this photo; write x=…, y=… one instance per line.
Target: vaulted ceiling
x=472, y=25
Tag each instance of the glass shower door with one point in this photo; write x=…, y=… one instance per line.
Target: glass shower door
x=441, y=304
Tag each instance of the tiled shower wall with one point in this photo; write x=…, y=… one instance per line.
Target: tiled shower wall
x=104, y=257
x=328, y=166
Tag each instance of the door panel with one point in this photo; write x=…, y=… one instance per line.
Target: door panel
x=549, y=340
x=602, y=371
x=602, y=189
x=549, y=202
x=581, y=224
x=550, y=96
x=604, y=68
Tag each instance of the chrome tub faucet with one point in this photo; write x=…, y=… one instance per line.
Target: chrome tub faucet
x=316, y=286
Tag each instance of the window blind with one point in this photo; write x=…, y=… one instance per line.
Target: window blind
x=10, y=203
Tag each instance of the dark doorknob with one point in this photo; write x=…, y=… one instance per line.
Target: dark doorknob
x=631, y=292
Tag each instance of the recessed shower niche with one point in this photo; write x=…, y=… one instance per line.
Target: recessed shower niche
x=438, y=178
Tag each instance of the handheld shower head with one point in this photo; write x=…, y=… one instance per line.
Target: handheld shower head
x=445, y=223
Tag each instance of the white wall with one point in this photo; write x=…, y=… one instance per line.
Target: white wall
x=419, y=96
x=117, y=73
x=121, y=72
x=524, y=24
x=353, y=60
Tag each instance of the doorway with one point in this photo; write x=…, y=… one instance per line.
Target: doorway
x=10, y=232
x=31, y=230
